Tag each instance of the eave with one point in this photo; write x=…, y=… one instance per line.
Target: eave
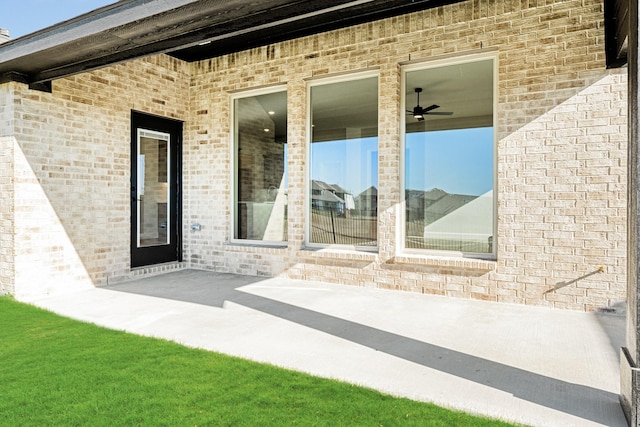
x=132, y=29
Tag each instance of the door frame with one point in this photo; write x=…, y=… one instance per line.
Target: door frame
x=171, y=252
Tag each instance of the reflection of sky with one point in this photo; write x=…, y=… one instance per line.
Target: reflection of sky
x=456, y=161
x=352, y=163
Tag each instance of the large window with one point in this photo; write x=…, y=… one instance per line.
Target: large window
x=343, y=185
x=449, y=157
x=260, y=174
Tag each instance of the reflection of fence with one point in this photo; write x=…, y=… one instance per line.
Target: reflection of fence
x=329, y=227
x=460, y=245
x=461, y=242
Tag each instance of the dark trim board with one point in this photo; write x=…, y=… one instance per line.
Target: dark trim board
x=616, y=18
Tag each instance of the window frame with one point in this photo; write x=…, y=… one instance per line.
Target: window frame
x=402, y=214
x=322, y=81
x=233, y=140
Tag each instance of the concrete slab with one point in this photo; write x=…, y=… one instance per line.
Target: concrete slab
x=531, y=365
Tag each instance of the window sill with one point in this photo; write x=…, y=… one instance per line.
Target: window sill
x=242, y=246
x=344, y=254
x=445, y=262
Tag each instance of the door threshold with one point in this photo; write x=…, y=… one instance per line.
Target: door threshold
x=152, y=270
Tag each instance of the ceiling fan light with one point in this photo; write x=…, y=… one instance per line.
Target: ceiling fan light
x=418, y=113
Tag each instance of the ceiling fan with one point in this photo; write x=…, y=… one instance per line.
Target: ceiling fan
x=418, y=112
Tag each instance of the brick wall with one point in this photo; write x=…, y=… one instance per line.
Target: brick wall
x=561, y=147
x=561, y=165
x=72, y=163
x=7, y=143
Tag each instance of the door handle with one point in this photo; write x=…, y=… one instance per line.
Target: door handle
x=134, y=194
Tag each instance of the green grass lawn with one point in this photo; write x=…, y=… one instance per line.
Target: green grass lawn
x=59, y=372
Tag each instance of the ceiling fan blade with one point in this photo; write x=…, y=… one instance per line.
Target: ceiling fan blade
x=429, y=108
x=440, y=113
x=420, y=119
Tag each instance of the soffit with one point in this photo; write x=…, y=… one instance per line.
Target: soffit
x=131, y=29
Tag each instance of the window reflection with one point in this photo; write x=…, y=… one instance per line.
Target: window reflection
x=449, y=160
x=261, y=167
x=153, y=188
x=449, y=191
x=344, y=163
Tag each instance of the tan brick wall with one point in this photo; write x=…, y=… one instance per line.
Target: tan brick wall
x=561, y=147
x=561, y=177
x=7, y=143
x=72, y=170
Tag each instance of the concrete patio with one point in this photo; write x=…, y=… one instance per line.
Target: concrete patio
x=530, y=365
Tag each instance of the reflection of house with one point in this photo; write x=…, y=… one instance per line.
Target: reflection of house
x=459, y=219
x=366, y=203
x=445, y=205
x=330, y=197
x=417, y=201
x=440, y=221
x=430, y=206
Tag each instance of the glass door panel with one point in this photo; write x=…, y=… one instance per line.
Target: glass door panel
x=153, y=199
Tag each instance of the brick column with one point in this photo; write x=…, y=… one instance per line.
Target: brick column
x=389, y=146
x=7, y=142
x=630, y=355
x=7, y=233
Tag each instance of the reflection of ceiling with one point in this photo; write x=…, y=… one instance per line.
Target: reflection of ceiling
x=276, y=103
x=346, y=105
x=465, y=89
x=349, y=109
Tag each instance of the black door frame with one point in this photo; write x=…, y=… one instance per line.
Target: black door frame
x=143, y=256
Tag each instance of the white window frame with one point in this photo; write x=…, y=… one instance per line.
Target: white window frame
x=160, y=136
x=234, y=164
x=315, y=82
x=401, y=221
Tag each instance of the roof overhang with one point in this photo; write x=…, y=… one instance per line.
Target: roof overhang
x=190, y=30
